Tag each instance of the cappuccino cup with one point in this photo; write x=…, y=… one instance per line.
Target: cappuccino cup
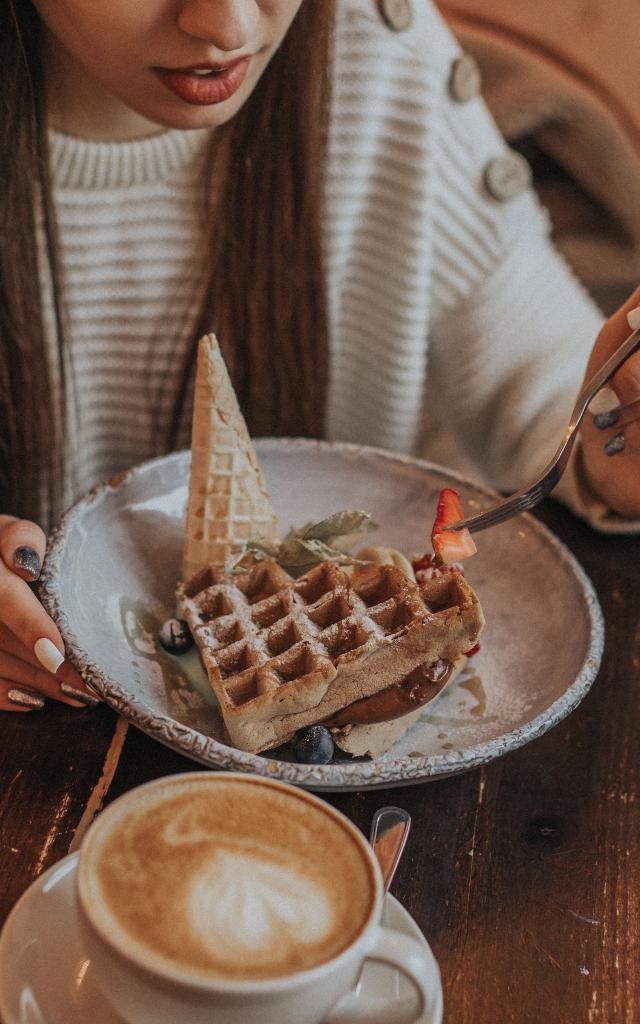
x=211, y=898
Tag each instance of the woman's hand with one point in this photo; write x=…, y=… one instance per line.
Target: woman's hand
x=32, y=662
x=615, y=477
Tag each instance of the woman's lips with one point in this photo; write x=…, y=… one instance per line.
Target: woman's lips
x=204, y=90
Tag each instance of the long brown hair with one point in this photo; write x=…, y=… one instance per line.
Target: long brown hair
x=265, y=295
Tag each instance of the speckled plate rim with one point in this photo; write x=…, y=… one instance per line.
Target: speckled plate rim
x=341, y=776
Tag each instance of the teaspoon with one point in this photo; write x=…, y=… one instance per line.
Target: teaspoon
x=389, y=830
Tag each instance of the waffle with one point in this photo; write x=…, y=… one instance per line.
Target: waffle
x=228, y=497
x=284, y=653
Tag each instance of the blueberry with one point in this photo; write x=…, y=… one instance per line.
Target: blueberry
x=175, y=636
x=313, y=745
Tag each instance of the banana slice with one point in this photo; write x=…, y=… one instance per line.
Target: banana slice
x=387, y=556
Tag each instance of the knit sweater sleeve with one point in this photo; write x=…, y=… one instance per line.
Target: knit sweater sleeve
x=511, y=326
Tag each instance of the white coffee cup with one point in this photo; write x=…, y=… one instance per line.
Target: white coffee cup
x=224, y=898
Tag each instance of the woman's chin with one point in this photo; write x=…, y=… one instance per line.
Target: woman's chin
x=189, y=121
x=178, y=114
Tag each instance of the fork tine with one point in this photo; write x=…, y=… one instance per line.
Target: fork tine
x=533, y=496
x=503, y=512
x=492, y=517
x=499, y=513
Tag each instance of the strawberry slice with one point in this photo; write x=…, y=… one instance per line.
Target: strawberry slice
x=450, y=545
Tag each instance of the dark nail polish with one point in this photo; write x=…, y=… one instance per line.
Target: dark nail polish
x=28, y=560
x=80, y=695
x=602, y=420
x=26, y=699
x=614, y=445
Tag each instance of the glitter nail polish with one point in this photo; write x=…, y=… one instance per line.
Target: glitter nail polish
x=614, y=445
x=25, y=699
x=602, y=420
x=80, y=695
x=28, y=560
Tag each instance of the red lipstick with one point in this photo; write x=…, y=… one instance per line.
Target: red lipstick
x=214, y=84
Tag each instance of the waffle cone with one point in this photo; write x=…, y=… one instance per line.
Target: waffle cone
x=228, y=497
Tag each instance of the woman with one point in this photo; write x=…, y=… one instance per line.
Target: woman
x=316, y=186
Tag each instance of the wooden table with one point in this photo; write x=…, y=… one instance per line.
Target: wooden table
x=524, y=875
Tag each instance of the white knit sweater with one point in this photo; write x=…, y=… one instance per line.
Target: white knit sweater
x=446, y=306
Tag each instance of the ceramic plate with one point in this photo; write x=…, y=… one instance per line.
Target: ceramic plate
x=113, y=562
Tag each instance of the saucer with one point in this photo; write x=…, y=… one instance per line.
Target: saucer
x=46, y=976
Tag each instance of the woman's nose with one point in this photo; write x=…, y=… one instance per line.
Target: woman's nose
x=228, y=24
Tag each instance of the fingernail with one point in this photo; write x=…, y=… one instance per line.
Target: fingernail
x=633, y=319
x=614, y=445
x=26, y=699
x=28, y=560
x=603, y=401
x=48, y=654
x=84, y=698
x=602, y=420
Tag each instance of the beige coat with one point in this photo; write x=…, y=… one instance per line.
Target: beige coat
x=562, y=78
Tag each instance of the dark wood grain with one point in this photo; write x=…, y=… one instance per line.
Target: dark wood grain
x=524, y=875
x=50, y=761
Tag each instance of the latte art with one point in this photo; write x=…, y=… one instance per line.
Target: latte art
x=233, y=878
x=244, y=906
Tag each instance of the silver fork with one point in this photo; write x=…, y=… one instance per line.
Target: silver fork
x=540, y=488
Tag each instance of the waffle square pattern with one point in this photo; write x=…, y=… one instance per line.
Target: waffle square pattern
x=229, y=507
x=284, y=653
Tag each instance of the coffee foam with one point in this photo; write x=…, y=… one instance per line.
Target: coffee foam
x=227, y=878
x=252, y=903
